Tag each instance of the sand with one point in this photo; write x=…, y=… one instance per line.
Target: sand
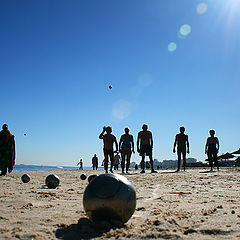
x=195, y=204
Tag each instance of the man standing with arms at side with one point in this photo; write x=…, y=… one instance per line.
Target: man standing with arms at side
x=181, y=140
x=144, y=147
x=108, y=140
x=95, y=162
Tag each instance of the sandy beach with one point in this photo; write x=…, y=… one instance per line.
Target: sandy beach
x=195, y=204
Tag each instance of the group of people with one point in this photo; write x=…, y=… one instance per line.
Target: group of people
x=145, y=146
x=125, y=147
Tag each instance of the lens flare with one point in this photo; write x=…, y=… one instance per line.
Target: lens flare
x=172, y=46
x=185, y=30
x=201, y=8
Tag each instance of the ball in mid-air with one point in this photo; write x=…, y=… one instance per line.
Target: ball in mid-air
x=109, y=197
x=91, y=177
x=25, y=178
x=52, y=181
x=83, y=176
x=110, y=86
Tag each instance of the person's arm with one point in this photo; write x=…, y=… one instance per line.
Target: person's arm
x=102, y=133
x=188, y=145
x=138, y=140
x=151, y=140
x=206, y=147
x=174, y=145
x=116, y=144
x=217, y=143
x=132, y=142
x=120, y=142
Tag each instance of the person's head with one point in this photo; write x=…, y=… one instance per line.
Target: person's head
x=95, y=155
x=212, y=132
x=127, y=130
x=182, y=129
x=5, y=127
x=144, y=127
x=108, y=129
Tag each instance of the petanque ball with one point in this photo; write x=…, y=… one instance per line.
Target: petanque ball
x=109, y=197
x=52, y=181
x=25, y=178
x=91, y=177
x=110, y=86
x=83, y=176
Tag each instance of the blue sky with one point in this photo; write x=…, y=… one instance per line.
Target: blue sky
x=57, y=59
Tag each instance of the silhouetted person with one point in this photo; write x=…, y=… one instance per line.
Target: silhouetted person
x=211, y=149
x=108, y=140
x=80, y=164
x=136, y=167
x=7, y=150
x=181, y=140
x=95, y=162
x=144, y=146
x=126, y=146
x=116, y=161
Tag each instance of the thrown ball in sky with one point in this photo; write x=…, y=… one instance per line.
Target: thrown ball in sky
x=110, y=86
x=25, y=178
x=83, y=176
x=25, y=134
x=52, y=181
x=109, y=197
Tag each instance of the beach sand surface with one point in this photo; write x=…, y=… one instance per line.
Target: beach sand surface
x=196, y=204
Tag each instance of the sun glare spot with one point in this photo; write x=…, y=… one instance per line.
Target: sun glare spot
x=172, y=46
x=121, y=110
x=201, y=8
x=185, y=30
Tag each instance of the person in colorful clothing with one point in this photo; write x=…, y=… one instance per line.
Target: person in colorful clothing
x=7, y=151
x=126, y=146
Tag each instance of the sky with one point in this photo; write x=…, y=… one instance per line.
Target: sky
x=169, y=62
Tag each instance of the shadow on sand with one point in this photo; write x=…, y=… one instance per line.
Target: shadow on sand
x=85, y=229
x=208, y=171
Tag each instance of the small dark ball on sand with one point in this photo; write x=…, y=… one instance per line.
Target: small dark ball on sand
x=83, y=177
x=25, y=178
x=52, y=181
x=91, y=177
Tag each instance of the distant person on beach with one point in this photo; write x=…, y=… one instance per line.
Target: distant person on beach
x=126, y=146
x=80, y=164
x=108, y=140
x=211, y=149
x=116, y=161
x=181, y=140
x=95, y=162
x=7, y=151
x=145, y=146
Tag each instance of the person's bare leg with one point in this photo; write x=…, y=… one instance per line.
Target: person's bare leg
x=111, y=161
x=151, y=162
x=106, y=163
x=184, y=160
x=143, y=164
x=128, y=161
x=123, y=162
x=179, y=161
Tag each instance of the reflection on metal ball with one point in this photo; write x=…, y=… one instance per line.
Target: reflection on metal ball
x=91, y=177
x=25, y=178
x=52, y=181
x=109, y=197
x=83, y=176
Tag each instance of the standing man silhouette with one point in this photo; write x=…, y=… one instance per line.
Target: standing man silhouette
x=211, y=149
x=144, y=147
x=108, y=140
x=181, y=140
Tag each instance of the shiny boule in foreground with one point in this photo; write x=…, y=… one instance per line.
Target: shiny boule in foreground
x=91, y=177
x=109, y=197
x=52, y=181
x=25, y=178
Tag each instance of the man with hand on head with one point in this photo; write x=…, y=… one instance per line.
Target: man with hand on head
x=108, y=140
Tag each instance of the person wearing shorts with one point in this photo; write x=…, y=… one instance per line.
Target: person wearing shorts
x=108, y=140
x=144, y=147
x=181, y=140
x=126, y=146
